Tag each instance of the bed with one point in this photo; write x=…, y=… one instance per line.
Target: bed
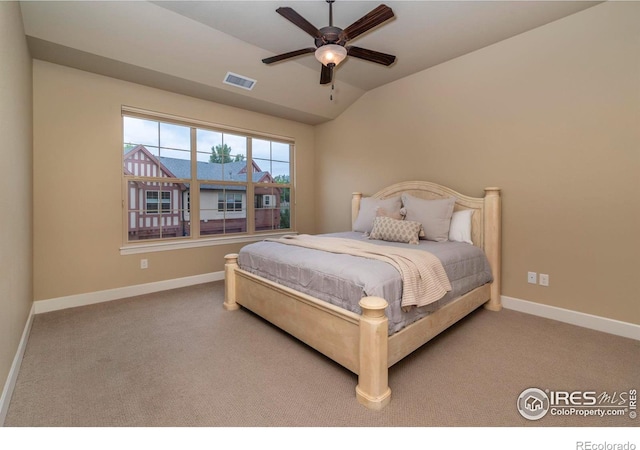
x=369, y=335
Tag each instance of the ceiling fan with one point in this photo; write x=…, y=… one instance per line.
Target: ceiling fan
x=330, y=42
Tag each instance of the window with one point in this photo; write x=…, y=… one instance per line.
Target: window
x=152, y=202
x=272, y=191
x=265, y=201
x=188, y=181
x=232, y=202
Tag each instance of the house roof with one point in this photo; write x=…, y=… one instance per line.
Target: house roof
x=181, y=168
x=232, y=171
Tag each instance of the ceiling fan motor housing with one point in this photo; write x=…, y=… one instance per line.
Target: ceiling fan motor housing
x=330, y=35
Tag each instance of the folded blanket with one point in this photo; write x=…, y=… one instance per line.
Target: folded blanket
x=423, y=277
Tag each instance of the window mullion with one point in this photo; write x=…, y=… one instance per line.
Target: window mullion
x=292, y=191
x=251, y=224
x=194, y=186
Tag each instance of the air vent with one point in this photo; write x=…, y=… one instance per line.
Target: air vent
x=239, y=81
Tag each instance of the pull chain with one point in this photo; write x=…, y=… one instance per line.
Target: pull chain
x=332, y=88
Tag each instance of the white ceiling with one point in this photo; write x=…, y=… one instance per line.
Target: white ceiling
x=188, y=47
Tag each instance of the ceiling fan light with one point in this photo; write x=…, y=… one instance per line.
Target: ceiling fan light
x=331, y=54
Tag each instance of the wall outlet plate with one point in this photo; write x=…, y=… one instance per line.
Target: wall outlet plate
x=544, y=279
x=532, y=277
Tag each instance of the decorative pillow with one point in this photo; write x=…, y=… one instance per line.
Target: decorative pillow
x=460, y=229
x=434, y=215
x=394, y=230
x=368, y=210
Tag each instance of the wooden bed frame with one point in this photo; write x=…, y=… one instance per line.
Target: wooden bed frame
x=361, y=342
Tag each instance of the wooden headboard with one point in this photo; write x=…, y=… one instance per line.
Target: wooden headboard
x=485, y=222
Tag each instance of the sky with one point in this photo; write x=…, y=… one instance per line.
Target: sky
x=173, y=141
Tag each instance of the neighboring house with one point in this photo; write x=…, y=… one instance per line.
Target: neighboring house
x=163, y=209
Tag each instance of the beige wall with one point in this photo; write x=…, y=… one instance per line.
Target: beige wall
x=552, y=116
x=15, y=184
x=78, y=173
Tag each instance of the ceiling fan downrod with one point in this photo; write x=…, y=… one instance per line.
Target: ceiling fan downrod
x=330, y=2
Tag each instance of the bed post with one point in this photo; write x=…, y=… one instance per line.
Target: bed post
x=355, y=206
x=373, y=390
x=492, y=243
x=230, y=282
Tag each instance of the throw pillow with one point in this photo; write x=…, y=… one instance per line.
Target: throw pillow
x=394, y=230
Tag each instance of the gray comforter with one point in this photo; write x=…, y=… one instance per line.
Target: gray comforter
x=344, y=279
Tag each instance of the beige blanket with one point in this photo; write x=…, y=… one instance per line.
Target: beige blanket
x=423, y=278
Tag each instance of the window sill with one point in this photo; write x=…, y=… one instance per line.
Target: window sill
x=134, y=249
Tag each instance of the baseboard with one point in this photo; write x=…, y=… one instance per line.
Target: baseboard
x=72, y=301
x=611, y=326
x=10, y=383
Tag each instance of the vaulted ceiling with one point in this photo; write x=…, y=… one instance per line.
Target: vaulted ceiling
x=188, y=47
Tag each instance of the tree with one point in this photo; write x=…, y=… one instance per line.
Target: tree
x=285, y=218
x=281, y=179
x=221, y=153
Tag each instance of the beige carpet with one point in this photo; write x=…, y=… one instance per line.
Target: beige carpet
x=178, y=359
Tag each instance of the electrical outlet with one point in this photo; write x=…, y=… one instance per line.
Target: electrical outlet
x=532, y=277
x=144, y=263
x=544, y=279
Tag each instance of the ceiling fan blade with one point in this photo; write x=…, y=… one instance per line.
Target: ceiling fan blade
x=371, y=55
x=326, y=75
x=288, y=55
x=374, y=18
x=299, y=21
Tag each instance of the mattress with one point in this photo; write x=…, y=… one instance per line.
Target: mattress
x=342, y=279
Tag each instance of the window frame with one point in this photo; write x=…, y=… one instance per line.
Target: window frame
x=192, y=206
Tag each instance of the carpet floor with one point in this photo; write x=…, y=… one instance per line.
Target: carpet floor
x=178, y=359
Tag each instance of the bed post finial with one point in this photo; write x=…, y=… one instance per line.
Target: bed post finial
x=492, y=243
x=230, y=282
x=373, y=390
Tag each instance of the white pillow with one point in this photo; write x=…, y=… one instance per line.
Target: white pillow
x=369, y=210
x=434, y=215
x=460, y=229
